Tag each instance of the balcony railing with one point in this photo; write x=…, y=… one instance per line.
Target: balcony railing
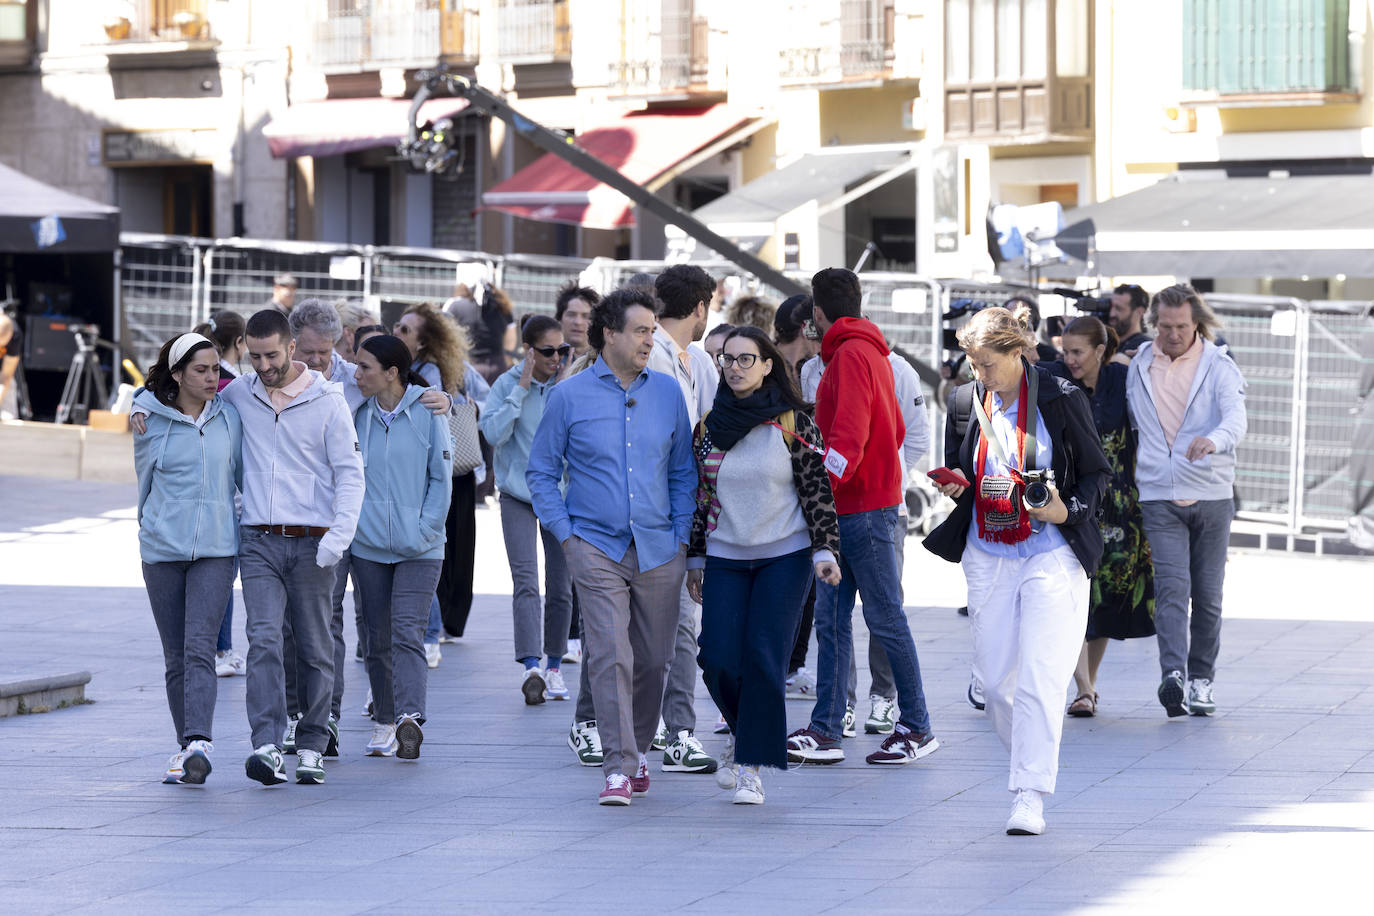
x=533, y=31
x=161, y=20
x=666, y=48
x=367, y=34
x=839, y=40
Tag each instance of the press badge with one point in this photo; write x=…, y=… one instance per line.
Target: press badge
x=835, y=463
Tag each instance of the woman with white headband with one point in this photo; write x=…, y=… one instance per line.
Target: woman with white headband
x=189, y=465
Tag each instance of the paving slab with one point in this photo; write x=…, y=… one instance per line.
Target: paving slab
x=1268, y=805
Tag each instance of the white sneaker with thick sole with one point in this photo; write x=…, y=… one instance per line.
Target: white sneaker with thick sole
x=554, y=686
x=585, y=741
x=432, y=654
x=802, y=685
x=727, y=774
x=574, y=654
x=383, y=743
x=230, y=664
x=750, y=790
x=1027, y=814
x=174, y=769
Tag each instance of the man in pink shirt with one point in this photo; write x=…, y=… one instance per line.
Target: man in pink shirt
x=1187, y=402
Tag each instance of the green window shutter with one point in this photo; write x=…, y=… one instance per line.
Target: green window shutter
x=1233, y=47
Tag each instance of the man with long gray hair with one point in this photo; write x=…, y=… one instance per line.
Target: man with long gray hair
x=1187, y=403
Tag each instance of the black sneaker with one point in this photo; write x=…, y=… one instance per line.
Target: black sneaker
x=1171, y=694
x=808, y=746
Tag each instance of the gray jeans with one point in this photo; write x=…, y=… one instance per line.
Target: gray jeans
x=586, y=704
x=522, y=531
x=293, y=705
x=188, y=602
x=1188, y=546
x=879, y=668
x=628, y=619
x=281, y=582
x=679, y=709
x=395, y=599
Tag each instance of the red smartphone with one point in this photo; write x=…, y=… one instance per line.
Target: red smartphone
x=944, y=476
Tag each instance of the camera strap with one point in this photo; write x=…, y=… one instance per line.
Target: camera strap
x=1032, y=412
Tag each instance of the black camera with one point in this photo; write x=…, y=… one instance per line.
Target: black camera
x=1098, y=304
x=1038, y=488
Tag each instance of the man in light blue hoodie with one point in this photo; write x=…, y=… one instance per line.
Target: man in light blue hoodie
x=1187, y=403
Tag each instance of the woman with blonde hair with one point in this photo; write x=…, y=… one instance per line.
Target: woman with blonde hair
x=439, y=348
x=1027, y=539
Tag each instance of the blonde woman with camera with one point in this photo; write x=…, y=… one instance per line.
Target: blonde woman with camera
x=1025, y=467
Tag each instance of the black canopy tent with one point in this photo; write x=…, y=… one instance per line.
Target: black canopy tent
x=57, y=267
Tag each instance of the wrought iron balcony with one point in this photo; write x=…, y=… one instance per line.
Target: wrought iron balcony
x=666, y=48
x=838, y=40
x=368, y=34
x=533, y=31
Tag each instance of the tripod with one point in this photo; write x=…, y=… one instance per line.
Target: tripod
x=82, y=377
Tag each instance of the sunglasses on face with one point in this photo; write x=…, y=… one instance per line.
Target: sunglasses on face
x=745, y=360
x=550, y=352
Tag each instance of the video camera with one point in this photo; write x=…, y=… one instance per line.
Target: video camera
x=1092, y=302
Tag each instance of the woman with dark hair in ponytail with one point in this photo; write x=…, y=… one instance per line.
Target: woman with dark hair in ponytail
x=189, y=463
x=765, y=519
x=1121, y=604
x=399, y=546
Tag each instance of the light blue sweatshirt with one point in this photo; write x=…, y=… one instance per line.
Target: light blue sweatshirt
x=512, y=415
x=187, y=475
x=408, y=467
x=1215, y=411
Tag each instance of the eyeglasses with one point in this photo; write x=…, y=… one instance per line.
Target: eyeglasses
x=745, y=360
x=561, y=350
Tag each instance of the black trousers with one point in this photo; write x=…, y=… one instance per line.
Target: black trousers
x=803, y=640
x=455, y=578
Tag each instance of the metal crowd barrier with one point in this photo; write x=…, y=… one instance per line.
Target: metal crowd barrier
x=1299, y=358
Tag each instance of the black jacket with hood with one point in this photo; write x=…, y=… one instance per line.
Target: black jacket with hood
x=1080, y=466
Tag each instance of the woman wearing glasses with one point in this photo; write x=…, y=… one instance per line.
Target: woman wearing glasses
x=765, y=519
x=514, y=409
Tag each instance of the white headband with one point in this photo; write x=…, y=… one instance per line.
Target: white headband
x=182, y=344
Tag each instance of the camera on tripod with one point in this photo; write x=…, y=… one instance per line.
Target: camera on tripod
x=1037, y=489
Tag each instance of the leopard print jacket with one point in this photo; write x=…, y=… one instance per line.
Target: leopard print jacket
x=809, y=475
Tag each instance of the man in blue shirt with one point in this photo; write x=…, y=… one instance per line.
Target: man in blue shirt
x=624, y=524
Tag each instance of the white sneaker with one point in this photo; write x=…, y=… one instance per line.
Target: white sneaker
x=847, y=728
x=1027, y=814
x=975, y=693
x=750, y=791
x=722, y=727
x=229, y=664
x=554, y=686
x=383, y=743
x=585, y=741
x=574, y=654
x=1200, y=701
x=174, y=769
x=802, y=685
x=195, y=762
x=367, y=705
x=727, y=775
x=532, y=685
x=882, y=717
x=432, y=654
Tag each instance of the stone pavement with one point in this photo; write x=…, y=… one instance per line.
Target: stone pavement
x=1268, y=806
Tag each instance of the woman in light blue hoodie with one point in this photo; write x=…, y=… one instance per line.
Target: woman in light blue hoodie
x=398, y=550
x=189, y=464
x=514, y=409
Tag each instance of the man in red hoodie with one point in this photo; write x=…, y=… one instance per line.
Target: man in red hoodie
x=856, y=409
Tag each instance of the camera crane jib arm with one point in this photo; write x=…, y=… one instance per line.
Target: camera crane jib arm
x=562, y=146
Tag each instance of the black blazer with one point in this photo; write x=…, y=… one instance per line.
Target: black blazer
x=1081, y=470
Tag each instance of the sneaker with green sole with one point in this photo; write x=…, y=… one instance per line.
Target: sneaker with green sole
x=309, y=768
x=686, y=755
x=266, y=765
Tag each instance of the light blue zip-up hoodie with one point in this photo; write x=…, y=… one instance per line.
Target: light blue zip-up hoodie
x=1215, y=410
x=302, y=466
x=187, y=476
x=509, y=422
x=409, y=472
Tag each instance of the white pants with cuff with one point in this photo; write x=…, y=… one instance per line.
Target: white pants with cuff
x=1028, y=618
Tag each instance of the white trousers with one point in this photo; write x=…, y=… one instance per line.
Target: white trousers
x=1028, y=618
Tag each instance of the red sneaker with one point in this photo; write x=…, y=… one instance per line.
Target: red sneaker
x=617, y=791
x=639, y=782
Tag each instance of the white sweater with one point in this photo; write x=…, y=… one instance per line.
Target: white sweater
x=760, y=514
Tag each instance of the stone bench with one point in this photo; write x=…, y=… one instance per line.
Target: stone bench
x=43, y=694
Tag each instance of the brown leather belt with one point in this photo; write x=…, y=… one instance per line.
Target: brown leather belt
x=292, y=531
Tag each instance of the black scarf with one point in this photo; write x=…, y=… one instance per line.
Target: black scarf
x=731, y=418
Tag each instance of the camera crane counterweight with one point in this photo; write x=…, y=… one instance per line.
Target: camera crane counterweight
x=429, y=152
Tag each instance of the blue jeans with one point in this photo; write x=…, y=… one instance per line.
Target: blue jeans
x=434, y=622
x=750, y=611
x=868, y=566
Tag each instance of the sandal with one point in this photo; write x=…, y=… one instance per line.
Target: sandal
x=1084, y=706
